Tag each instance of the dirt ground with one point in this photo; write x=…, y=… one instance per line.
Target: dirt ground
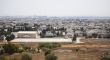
x=81, y=53
x=91, y=49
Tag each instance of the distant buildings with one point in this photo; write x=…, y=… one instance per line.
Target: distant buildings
x=27, y=34
x=56, y=26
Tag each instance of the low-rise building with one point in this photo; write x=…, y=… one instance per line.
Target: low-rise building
x=27, y=34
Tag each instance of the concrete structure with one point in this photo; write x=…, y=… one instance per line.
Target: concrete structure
x=58, y=40
x=27, y=34
x=78, y=40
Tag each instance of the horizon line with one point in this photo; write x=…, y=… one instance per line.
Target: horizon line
x=48, y=16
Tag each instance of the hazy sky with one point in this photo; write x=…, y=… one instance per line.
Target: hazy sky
x=55, y=7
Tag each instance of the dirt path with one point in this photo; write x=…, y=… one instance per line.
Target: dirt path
x=89, y=46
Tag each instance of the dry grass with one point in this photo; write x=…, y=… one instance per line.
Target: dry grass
x=92, y=49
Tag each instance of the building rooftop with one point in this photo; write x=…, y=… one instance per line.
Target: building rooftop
x=42, y=40
x=27, y=32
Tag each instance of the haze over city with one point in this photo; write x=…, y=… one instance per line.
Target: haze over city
x=54, y=29
x=55, y=7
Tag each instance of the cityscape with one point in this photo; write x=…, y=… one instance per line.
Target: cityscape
x=54, y=29
x=64, y=36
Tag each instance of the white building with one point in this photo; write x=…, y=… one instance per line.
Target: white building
x=27, y=34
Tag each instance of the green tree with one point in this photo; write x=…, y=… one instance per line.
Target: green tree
x=74, y=38
x=10, y=37
x=10, y=48
x=94, y=35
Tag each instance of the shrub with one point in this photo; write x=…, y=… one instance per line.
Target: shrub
x=13, y=58
x=105, y=56
x=26, y=57
x=10, y=48
x=21, y=50
x=2, y=57
x=94, y=35
x=51, y=57
x=1, y=51
x=49, y=45
x=46, y=51
x=26, y=48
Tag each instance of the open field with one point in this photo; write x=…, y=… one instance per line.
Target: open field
x=91, y=49
x=82, y=53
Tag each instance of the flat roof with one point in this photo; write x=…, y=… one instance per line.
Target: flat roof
x=42, y=40
x=29, y=32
